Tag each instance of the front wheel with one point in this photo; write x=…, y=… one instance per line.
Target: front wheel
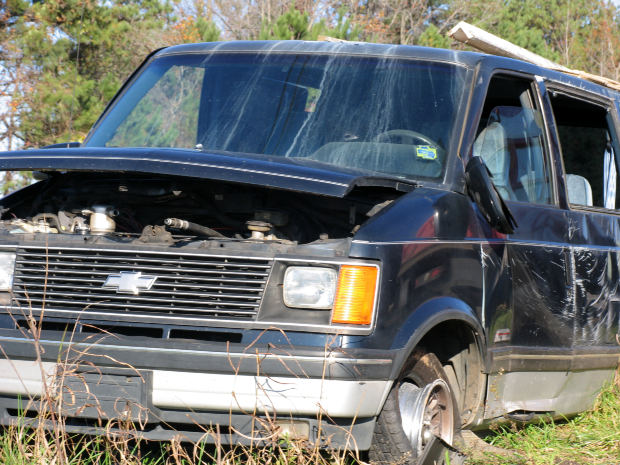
x=419, y=409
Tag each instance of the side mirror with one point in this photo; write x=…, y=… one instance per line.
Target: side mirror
x=490, y=203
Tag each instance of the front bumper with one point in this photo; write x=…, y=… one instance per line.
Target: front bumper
x=221, y=392
x=323, y=394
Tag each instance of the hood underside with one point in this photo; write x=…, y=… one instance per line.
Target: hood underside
x=275, y=172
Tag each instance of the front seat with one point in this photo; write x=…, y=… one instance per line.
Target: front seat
x=490, y=145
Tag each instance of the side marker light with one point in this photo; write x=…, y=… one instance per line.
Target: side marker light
x=355, y=295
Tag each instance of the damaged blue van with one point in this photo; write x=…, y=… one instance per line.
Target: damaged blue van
x=359, y=245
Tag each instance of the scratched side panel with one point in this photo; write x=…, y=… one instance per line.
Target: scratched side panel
x=565, y=282
x=539, y=318
x=542, y=284
x=498, y=314
x=429, y=246
x=595, y=237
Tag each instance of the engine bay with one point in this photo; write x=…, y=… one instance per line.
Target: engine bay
x=139, y=206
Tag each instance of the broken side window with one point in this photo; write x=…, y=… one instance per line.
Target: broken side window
x=589, y=150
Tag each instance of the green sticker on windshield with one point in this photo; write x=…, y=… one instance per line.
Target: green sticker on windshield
x=426, y=152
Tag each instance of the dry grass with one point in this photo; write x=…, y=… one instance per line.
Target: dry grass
x=20, y=446
x=43, y=440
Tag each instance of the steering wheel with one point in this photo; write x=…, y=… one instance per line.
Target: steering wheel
x=407, y=136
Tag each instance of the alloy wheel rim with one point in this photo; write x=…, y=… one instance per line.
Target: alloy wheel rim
x=426, y=413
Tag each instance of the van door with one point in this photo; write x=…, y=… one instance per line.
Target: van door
x=531, y=340
x=586, y=131
x=585, y=145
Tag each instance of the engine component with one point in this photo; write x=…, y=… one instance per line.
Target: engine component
x=40, y=226
x=101, y=221
x=79, y=226
x=121, y=206
x=183, y=225
x=45, y=220
x=258, y=230
x=155, y=235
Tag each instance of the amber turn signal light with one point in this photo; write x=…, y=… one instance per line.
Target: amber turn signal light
x=355, y=295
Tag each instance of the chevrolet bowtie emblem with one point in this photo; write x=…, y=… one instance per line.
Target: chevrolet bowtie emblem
x=129, y=282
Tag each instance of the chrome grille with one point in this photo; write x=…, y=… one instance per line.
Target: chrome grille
x=186, y=285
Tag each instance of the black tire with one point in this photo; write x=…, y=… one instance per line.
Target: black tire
x=390, y=444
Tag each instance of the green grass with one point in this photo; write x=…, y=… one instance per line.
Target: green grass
x=592, y=437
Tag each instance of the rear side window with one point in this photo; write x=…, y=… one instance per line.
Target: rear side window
x=589, y=151
x=510, y=140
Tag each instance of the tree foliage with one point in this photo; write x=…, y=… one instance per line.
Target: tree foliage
x=194, y=23
x=76, y=53
x=295, y=24
x=581, y=34
x=62, y=60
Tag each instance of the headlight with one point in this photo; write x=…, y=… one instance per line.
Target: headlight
x=7, y=264
x=310, y=287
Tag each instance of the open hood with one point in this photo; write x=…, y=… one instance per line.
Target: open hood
x=268, y=171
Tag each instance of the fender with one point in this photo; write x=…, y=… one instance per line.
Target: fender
x=426, y=317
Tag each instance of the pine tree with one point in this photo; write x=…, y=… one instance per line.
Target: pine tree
x=296, y=25
x=77, y=53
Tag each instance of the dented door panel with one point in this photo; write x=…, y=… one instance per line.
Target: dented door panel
x=540, y=259
x=595, y=258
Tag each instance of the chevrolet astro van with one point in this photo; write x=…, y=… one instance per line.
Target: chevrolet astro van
x=360, y=245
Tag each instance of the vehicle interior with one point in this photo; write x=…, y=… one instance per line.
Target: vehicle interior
x=510, y=141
